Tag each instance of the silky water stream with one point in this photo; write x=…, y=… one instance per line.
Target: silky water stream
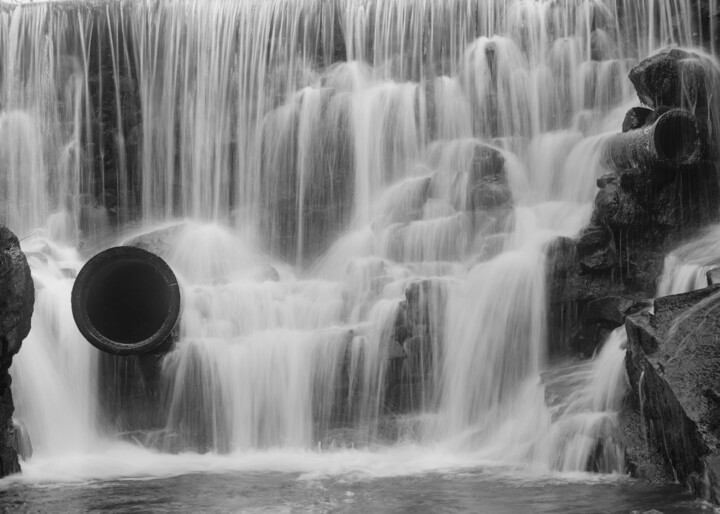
x=314, y=172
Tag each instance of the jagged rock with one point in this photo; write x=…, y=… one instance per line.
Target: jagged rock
x=673, y=363
x=16, y=306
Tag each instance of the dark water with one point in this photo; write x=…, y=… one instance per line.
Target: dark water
x=283, y=492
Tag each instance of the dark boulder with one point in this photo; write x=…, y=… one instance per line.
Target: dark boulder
x=617, y=209
x=16, y=306
x=612, y=309
x=673, y=363
x=670, y=79
x=595, y=248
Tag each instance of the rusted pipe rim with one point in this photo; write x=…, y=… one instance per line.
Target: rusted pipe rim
x=126, y=301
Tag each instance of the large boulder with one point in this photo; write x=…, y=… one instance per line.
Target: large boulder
x=673, y=363
x=670, y=79
x=16, y=306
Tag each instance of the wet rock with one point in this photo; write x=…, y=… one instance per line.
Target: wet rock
x=422, y=309
x=607, y=178
x=669, y=79
x=612, y=309
x=488, y=186
x=487, y=162
x=160, y=241
x=16, y=306
x=713, y=277
x=637, y=117
x=419, y=353
x=618, y=209
x=488, y=193
x=673, y=363
x=595, y=249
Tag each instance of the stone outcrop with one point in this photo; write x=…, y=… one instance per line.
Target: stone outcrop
x=16, y=306
x=660, y=187
x=673, y=363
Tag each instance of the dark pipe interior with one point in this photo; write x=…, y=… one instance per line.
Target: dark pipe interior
x=676, y=137
x=128, y=301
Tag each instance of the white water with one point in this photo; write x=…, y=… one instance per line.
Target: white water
x=685, y=268
x=240, y=130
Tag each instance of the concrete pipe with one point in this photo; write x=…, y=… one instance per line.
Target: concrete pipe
x=126, y=301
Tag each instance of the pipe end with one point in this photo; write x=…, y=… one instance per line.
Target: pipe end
x=126, y=301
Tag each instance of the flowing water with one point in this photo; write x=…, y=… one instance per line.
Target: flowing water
x=686, y=267
x=315, y=171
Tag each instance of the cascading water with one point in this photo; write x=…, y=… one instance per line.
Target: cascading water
x=334, y=167
x=685, y=268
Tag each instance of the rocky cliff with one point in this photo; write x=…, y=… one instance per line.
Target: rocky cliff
x=16, y=305
x=673, y=363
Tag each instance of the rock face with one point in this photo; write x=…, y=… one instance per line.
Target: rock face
x=661, y=185
x=673, y=363
x=16, y=306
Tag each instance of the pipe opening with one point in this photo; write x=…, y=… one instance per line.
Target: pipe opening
x=126, y=301
x=676, y=137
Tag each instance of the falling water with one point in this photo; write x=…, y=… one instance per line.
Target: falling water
x=686, y=267
x=316, y=172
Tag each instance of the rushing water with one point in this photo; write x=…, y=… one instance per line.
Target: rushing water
x=686, y=267
x=301, y=165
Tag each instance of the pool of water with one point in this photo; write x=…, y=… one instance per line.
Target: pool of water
x=481, y=489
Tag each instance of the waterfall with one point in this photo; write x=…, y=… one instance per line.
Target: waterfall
x=356, y=197
x=686, y=266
